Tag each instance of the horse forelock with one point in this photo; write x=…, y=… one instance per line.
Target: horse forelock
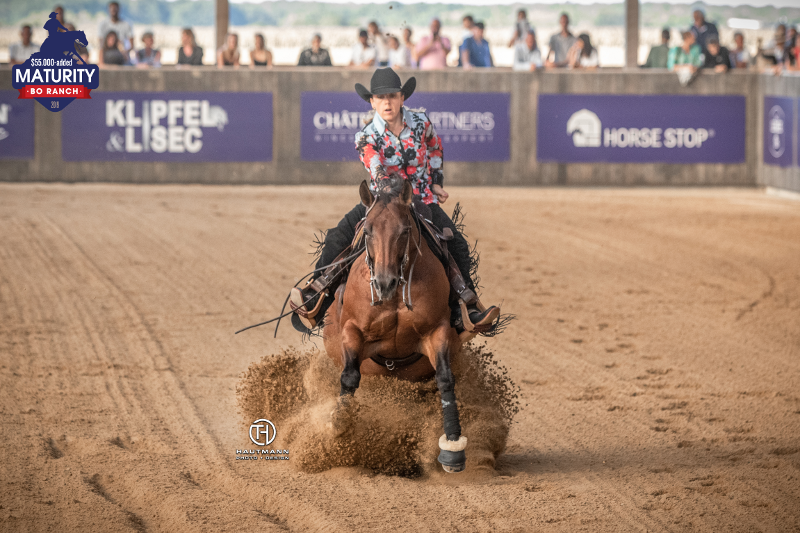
x=389, y=188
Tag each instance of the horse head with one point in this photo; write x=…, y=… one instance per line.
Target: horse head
x=390, y=232
x=80, y=36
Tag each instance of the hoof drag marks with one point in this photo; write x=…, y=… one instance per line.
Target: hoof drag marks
x=656, y=354
x=390, y=427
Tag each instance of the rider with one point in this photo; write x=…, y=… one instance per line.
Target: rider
x=52, y=25
x=397, y=140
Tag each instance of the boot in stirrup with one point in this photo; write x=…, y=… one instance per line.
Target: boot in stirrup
x=475, y=317
x=307, y=304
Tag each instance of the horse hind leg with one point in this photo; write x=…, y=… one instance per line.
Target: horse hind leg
x=452, y=444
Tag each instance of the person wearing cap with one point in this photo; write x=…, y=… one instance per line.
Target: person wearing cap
x=147, y=57
x=363, y=54
x=475, y=50
x=401, y=141
x=716, y=57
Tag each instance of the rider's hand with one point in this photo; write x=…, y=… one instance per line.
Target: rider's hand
x=440, y=193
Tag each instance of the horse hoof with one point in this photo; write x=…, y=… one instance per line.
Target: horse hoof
x=452, y=456
x=452, y=462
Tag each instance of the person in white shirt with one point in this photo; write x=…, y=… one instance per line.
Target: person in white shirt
x=19, y=52
x=122, y=28
x=378, y=41
x=527, y=56
x=399, y=55
x=363, y=54
x=740, y=57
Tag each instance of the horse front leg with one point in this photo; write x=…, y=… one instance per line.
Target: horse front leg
x=342, y=414
x=452, y=444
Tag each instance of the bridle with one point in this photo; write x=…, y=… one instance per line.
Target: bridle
x=405, y=284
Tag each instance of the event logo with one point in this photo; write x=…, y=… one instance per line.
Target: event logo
x=584, y=126
x=181, y=131
x=777, y=120
x=56, y=75
x=262, y=432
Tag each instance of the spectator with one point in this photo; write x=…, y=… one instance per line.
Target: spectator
x=717, y=57
x=363, y=53
x=59, y=11
x=687, y=56
x=189, y=53
x=521, y=29
x=399, y=56
x=147, y=57
x=378, y=41
x=740, y=57
x=468, y=23
x=527, y=56
x=19, y=52
x=657, y=58
x=113, y=52
x=790, y=35
x=408, y=43
x=791, y=58
x=702, y=29
x=432, y=49
x=228, y=55
x=260, y=56
x=315, y=56
x=775, y=48
x=560, y=44
x=475, y=50
x=121, y=28
x=583, y=54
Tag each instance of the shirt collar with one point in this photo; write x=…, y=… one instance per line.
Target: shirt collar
x=380, y=124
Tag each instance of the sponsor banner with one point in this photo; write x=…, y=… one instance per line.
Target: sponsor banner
x=473, y=126
x=778, y=130
x=16, y=126
x=590, y=128
x=169, y=126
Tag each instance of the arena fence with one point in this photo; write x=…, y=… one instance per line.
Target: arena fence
x=296, y=126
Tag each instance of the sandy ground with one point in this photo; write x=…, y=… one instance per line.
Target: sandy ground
x=657, y=351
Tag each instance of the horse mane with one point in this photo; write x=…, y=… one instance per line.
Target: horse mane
x=389, y=187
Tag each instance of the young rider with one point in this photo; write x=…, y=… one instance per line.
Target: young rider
x=401, y=141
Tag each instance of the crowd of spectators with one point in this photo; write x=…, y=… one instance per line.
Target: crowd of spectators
x=700, y=48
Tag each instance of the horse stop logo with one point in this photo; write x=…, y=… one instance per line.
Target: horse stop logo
x=56, y=75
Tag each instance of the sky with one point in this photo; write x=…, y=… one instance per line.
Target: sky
x=755, y=3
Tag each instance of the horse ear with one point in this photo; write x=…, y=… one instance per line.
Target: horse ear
x=408, y=192
x=366, y=194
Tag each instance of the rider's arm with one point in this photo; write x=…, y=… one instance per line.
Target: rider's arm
x=369, y=156
x=435, y=158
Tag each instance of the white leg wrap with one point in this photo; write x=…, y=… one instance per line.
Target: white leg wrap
x=452, y=445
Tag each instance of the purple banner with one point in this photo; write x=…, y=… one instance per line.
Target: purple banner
x=16, y=126
x=590, y=128
x=778, y=131
x=169, y=126
x=473, y=126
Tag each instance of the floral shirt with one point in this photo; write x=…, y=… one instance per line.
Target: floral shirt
x=416, y=153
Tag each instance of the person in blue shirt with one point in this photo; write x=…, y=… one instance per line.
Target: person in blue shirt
x=703, y=30
x=475, y=50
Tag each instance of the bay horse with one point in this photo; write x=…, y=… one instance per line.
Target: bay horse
x=392, y=317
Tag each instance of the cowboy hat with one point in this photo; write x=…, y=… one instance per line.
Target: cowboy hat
x=386, y=81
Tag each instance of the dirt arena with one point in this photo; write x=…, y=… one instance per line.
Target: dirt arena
x=657, y=351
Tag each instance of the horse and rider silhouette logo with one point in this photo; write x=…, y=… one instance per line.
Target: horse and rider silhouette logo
x=57, y=74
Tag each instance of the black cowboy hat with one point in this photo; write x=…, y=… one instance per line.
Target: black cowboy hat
x=386, y=81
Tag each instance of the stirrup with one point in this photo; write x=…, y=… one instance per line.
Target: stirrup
x=486, y=323
x=298, y=302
